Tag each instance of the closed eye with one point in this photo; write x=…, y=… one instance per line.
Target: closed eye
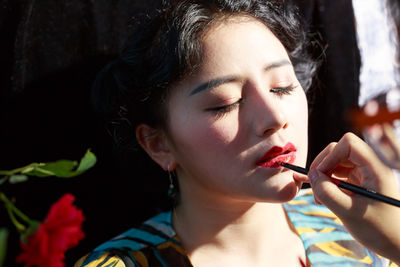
x=222, y=110
x=287, y=90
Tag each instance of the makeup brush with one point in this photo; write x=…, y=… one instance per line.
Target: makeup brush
x=351, y=187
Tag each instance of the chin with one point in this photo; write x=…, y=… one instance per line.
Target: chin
x=287, y=192
x=280, y=195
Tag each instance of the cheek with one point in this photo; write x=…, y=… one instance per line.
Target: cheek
x=303, y=115
x=205, y=135
x=191, y=127
x=298, y=109
x=201, y=144
x=299, y=120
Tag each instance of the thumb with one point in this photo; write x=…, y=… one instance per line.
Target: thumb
x=326, y=192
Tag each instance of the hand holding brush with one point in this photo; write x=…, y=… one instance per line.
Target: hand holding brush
x=373, y=222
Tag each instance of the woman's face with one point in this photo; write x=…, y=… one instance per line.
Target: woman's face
x=240, y=113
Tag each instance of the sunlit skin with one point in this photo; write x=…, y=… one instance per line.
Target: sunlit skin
x=242, y=101
x=217, y=152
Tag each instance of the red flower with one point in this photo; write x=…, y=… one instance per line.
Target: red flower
x=60, y=231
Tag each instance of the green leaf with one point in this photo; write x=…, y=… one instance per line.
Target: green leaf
x=87, y=162
x=3, y=245
x=39, y=171
x=61, y=168
x=64, y=168
x=18, y=178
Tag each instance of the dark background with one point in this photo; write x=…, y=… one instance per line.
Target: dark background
x=50, y=53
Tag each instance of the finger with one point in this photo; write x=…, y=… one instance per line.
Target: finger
x=328, y=193
x=349, y=148
x=342, y=171
x=300, y=177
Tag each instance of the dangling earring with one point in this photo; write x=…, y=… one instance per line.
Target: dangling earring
x=171, y=189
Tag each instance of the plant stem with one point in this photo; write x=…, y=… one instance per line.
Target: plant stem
x=20, y=227
x=13, y=210
x=21, y=169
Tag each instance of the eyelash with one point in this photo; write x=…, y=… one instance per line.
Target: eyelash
x=220, y=111
x=280, y=91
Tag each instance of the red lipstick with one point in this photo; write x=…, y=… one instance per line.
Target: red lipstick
x=277, y=154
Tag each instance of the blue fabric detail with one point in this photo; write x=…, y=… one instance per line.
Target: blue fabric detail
x=307, y=221
x=298, y=215
x=136, y=233
x=164, y=218
x=320, y=259
x=310, y=239
x=119, y=244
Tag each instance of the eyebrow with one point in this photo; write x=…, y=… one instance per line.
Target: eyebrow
x=277, y=64
x=217, y=82
x=213, y=83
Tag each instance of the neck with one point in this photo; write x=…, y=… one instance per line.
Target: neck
x=227, y=223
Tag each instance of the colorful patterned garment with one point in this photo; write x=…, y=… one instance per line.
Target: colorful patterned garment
x=155, y=243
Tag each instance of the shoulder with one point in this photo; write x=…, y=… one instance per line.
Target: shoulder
x=135, y=246
x=324, y=236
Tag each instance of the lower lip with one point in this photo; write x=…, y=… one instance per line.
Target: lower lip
x=274, y=162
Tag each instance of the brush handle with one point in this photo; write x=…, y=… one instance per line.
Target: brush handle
x=294, y=168
x=366, y=192
x=351, y=187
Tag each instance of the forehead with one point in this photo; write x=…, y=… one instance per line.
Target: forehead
x=240, y=47
x=240, y=40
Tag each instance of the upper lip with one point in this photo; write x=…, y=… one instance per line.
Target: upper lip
x=276, y=151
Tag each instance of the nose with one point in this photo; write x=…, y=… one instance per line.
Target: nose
x=270, y=114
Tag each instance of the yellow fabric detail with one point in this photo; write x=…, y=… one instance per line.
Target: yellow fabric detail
x=298, y=202
x=367, y=260
x=302, y=230
x=111, y=262
x=140, y=258
x=326, y=214
x=321, y=214
x=328, y=230
x=392, y=264
x=170, y=244
x=335, y=249
x=80, y=261
x=338, y=221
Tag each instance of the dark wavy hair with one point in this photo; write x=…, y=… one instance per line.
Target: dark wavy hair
x=166, y=46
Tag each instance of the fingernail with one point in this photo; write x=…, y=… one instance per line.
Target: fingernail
x=313, y=175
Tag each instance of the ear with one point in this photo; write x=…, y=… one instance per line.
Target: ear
x=155, y=143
